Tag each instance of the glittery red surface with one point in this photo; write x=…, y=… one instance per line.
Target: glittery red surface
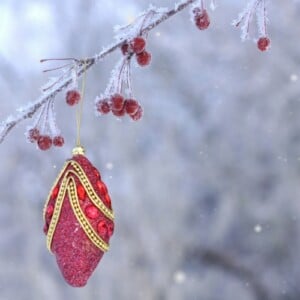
x=77, y=257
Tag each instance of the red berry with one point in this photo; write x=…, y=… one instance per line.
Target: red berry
x=125, y=49
x=44, y=142
x=143, y=58
x=58, y=141
x=201, y=18
x=72, y=97
x=103, y=106
x=263, y=43
x=138, y=115
x=33, y=135
x=119, y=113
x=117, y=102
x=131, y=106
x=138, y=45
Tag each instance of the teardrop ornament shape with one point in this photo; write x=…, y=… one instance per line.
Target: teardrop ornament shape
x=72, y=225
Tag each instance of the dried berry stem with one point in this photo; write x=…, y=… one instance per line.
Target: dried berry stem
x=83, y=65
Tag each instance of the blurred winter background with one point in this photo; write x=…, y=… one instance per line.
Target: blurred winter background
x=205, y=188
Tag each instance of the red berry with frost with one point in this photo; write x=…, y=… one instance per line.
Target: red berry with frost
x=117, y=102
x=131, y=106
x=44, y=142
x=125, y=49
x=143, y=58
x=263, y=43
x=201, y=19
x=119, y=113
x=72, y=97
x=138, y=44
x=33, y=135
x=138, y=115
x=103, y=106
x=58, y=141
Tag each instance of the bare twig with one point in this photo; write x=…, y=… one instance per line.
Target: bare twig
x=83, y=65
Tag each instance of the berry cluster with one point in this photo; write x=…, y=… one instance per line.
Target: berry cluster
x=201, y=17
x=137, y=47
x=119, y=106
x=44, y=141
x=45, y=132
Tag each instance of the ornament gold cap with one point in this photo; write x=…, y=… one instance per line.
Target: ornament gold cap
x=78, y=150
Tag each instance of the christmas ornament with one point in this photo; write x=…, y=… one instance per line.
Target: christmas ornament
x=78, y=218
x=78, y=215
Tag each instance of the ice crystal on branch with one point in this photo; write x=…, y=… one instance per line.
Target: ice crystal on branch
x=254, y=8
x=140, y=24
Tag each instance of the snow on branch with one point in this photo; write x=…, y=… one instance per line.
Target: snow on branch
x=56, y=86
x=254, y=8
x=118, y=98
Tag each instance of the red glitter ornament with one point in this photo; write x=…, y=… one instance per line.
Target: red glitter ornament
x=72, y=225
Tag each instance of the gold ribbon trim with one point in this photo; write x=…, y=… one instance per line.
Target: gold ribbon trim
x=68, y=185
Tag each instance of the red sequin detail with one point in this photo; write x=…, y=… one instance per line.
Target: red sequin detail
x=111, y=228
x=101, y=187
x=54, y=192
x=49, y=210
x=92, y=212
x=81, y=192
x=107, y=200
x=97, y=174
x=102, y=228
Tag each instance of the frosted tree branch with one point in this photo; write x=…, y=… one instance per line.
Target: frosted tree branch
x=82, y=66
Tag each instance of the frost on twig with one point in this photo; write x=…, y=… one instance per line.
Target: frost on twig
x=151, y=18
x=140, y=24
x=125, y=36
x=254, y=8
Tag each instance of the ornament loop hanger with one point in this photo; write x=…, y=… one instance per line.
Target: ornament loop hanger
x=79, y=149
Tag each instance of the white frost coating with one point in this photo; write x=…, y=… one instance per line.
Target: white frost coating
x=245, y=18
x=112, y=86
x=51, y=119
x=146, y=18
x=261, y=18
x=213, y=5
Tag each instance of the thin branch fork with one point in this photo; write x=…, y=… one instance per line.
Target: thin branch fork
x=83, y=65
